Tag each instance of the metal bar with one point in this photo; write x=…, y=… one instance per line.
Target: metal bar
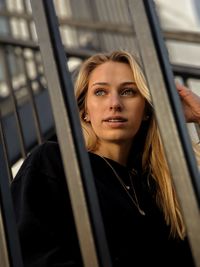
x=174, y=100
x=10, y=251
x=76, y=163
x=167, y=105
x=5, y=149
x=31, y=37
x=47, y=123
x=15, y=14
x=9, y=41
x=181, y=36
x=191, y=71
x=95, y=16
x=4, y=40
x=186, y=71
x=111, y=18
x=32, y=101
x=8, y=77
x=28, y=21
x=5, y=9
x=4, y=260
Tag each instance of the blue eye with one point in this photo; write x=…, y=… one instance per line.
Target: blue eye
x=100, y=92
x=128, y=92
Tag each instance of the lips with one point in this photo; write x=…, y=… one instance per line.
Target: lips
x=115, y=119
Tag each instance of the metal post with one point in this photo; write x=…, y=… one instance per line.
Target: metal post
x=167, y=105
x=76, y=163
x=5, y=149
x=10, y=252
x=4, y=260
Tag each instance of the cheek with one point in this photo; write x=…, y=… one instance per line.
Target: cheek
x=94, y=111
x=95, y=115
x=138, y=117
x=138, y=110
x=95, y=119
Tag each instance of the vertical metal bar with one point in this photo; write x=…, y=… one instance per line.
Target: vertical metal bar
x=30, y=91
x=24, y=4
x=8, y=19
x=8, y=77
x=30, y=33
x=11, y=252
x=82, y=192
x=29, y=88
x=5, y=149
x=4, y=260
x=167, y=105
x=112, y=10
x=94, y=14
x=174, y=100
x=102, y=6
x=109, y=36
x=32, y=101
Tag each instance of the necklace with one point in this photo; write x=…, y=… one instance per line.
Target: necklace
x=126, y=188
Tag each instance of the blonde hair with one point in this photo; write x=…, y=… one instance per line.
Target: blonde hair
x=153, y=156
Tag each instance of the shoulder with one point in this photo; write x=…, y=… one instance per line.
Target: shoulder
x=45, y=158
x=41, y=174
x=48, y=149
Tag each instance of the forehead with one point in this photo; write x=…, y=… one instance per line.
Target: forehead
x=111, y=72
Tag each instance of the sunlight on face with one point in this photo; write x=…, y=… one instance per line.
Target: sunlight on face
x=115, y=106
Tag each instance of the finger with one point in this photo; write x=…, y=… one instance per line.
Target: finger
x=183, y=91
x=181, y=87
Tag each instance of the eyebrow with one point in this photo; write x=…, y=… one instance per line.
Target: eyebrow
x=121, y=84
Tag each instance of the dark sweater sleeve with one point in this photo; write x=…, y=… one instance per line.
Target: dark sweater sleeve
x=43, y=211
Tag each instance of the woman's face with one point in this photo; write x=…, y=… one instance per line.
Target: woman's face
x=114, y=105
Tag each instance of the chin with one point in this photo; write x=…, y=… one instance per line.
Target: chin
x=118, y=138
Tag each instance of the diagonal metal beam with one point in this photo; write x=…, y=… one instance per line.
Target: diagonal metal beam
x=170, y=117
x=76, y=163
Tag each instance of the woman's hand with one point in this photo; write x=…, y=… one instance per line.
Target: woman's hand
x=190, y=102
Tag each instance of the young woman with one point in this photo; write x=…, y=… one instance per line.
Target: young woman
x=141, y=214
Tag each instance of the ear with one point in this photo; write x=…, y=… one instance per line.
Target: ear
x=147, y=112
x=146, y=117
x=86, y=117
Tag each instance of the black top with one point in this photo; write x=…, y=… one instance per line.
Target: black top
x=46, y=226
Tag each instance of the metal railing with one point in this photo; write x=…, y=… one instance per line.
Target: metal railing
x=31, y=89
x=18, y=48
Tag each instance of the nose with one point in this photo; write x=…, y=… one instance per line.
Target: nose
x=115, y=102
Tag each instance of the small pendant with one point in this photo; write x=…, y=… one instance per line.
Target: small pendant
x=128, y=187
x=142, y=212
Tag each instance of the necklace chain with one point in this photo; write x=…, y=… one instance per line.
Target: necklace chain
x=135, y=202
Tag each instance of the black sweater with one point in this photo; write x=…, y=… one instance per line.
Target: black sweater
x=46, y=226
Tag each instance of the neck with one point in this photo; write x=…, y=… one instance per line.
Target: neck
x=116, y=152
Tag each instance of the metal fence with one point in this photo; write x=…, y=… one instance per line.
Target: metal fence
x=26, y=117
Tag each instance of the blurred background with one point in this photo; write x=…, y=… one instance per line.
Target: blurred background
x=86, y=27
